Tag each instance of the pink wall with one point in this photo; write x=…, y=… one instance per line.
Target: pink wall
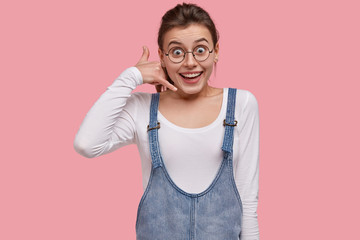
x=299, y=58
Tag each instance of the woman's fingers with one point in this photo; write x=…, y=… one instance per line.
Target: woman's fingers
x=164, y=83
x=152, y=72
x=145, y=55
x=168, y=85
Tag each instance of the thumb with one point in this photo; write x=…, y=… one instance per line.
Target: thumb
x=145, y=55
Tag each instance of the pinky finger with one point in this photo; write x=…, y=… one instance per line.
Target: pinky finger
x=168, y=85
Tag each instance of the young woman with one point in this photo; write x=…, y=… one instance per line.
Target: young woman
x=199, y=145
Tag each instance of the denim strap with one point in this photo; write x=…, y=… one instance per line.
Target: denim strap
x=230, y=121
x=152, y=129
x=154, y=126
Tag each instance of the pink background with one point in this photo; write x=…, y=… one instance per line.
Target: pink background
x=299, y=58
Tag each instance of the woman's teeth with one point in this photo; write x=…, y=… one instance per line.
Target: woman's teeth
x=191, y=75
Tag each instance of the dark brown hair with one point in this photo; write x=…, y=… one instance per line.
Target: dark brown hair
x=184, y=15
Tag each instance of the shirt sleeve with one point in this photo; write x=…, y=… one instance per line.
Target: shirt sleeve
x=109, y=125
x=247, y=170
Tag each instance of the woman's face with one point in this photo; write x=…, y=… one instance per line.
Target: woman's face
x=190, y=76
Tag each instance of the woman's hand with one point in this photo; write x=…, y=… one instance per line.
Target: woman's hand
x=152, y=72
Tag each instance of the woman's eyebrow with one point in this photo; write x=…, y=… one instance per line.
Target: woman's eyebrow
x=174, y=42
x=196, y=41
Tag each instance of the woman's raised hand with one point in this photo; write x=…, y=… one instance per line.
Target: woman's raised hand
x=152, y=72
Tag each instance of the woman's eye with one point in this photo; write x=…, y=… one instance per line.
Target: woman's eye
x=200, y=50
x=177, y=52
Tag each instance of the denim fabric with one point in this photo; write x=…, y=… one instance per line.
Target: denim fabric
x=167, y=212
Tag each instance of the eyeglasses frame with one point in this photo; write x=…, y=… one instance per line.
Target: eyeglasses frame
x=185, y=52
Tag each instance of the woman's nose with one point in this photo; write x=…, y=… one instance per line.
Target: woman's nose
x=190, y=60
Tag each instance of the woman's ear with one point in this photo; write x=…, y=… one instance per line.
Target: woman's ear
x=216, y=51
x=161, y=56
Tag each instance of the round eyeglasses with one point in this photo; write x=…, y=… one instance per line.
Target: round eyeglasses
x=200, y=53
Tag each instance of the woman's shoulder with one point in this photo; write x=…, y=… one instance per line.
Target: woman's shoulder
x=138, y=101
x=249, y=96
x=246, y=100
x=141, y=96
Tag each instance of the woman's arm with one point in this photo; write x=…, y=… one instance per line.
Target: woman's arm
x=247, y=169
x=108, y=125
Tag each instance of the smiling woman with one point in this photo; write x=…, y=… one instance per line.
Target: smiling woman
x=203, y=183
x=189, y=69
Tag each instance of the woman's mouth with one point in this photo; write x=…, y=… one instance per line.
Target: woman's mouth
x=191, y=77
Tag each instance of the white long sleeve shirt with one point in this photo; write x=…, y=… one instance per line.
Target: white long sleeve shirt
x=192, y=156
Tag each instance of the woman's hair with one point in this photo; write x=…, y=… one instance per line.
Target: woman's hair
x=184, y=15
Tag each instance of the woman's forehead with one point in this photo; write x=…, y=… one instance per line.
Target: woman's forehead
x=189, y=35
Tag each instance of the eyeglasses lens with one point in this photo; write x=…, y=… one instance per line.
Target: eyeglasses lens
x=177, y=54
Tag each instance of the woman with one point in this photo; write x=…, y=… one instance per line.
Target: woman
x=203, y=183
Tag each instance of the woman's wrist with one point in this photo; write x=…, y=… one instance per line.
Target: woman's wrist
x=137, y=75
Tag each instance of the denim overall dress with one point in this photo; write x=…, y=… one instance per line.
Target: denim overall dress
x=166, y=212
